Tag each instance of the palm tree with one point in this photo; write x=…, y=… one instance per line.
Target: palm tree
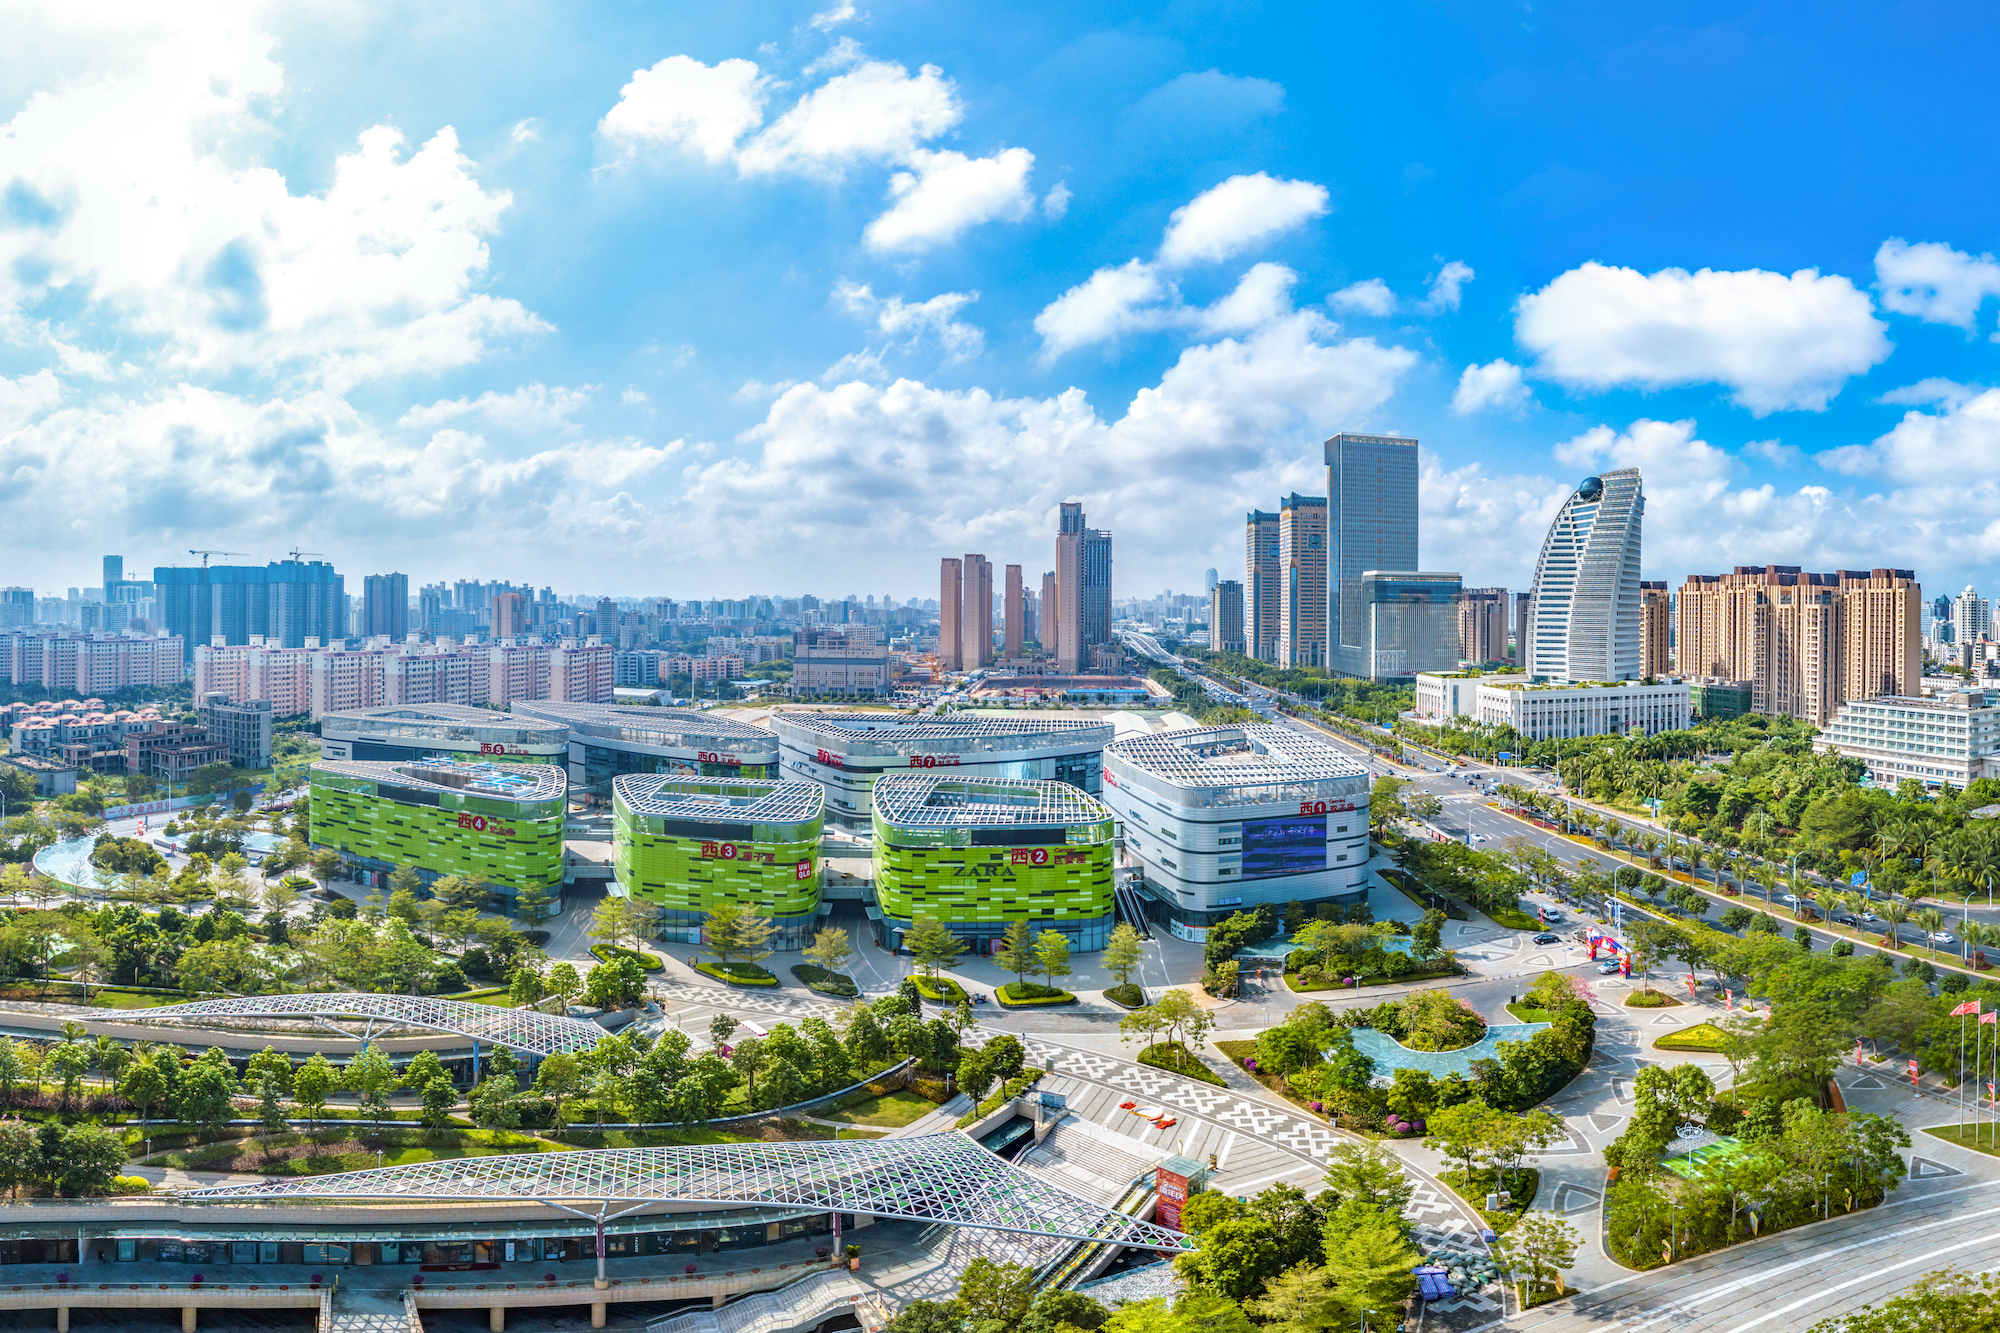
x=1893, y=915
x=1612, y=828
x=1650, y=844
x=1767, y=875
x=1931, y=921
x=1970, y=936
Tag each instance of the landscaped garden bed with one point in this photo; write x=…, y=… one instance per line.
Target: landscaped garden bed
x=1701, y=1037
x=1176, y=1058
x=823, y=982
x=1520, y=1187
x=737, y=974
x=1651, y=999
x=1028, y=995
x=939, y=990
x=1127, y=996
x=610, y=953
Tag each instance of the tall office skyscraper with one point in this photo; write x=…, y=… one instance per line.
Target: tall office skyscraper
x=1371, y=488
x=510, y=615
x=288, y=601
x=114, y=574
x=1260, y=585
x=385, y=605
x=951, y=620
x=1069, y=587
x=1210, y=579
x=1655, y=621
x=1524, y=603
x=1586, y=589
x=1302, y=570
x=1013, y=619
x=1096, y=590
x=1225, y=616
x=976, y=607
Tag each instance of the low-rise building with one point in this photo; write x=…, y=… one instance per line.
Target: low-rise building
x=53, y=777
x=1222, y=819
x=979, y=853
x=1585, y=708
x=1712, y=698
x=1945, y=739
x=1442, y=696
x=244, y=729
x=607, y=741
x=685, y=845
x=502, y=823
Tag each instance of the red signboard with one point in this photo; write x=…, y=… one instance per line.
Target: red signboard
x=829, y=758
x=729, y=851
x=933, y=761
x=1042, y=856
x=803, y=870
x=715, y=757
x=1913, y=1073
x=500, y=749
x=481, y=824
x=1173, y=1196
x=1325, y=807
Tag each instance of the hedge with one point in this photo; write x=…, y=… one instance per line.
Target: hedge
x=1160, y=1055
x=738, y=975
x=606, y=953
x=939, y=990
x=1030, y=995
x=1700, y=1037
x=823, y=982
x=1128, y=995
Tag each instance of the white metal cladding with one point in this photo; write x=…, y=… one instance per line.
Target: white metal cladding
x=525, y=1030
x=944, y=1178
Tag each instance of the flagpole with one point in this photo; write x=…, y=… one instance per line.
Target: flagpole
x=1961, y=1073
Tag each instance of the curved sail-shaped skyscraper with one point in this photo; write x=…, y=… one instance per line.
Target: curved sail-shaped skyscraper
x=1585, y=613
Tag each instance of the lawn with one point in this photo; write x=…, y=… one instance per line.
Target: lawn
x=297, y=1155
x=1527, y=1013
x=1175, y=1058
x=892, y=1110
x=1688, y=1166
x=939, y=990
x=1522, y=1186
x=1980, y=1138
x=737, y=974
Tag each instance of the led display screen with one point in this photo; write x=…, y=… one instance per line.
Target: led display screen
x=1289, y=845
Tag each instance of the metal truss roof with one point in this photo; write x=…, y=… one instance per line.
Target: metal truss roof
x=525, y=1030
x=944, y=1178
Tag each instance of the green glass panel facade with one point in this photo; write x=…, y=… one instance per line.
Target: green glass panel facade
x=685, y=864
x=511, y=851
x=976, y=891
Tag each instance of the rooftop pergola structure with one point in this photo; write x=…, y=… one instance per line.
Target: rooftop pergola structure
x=528, y=1031
x=942, y=1178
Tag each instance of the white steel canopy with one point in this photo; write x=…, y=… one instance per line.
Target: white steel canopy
x=944, y=1178
x=526, y=1030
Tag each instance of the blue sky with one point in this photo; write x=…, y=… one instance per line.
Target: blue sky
x=798, y=298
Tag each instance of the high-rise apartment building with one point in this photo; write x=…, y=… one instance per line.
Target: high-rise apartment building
x=1046, y=618
x=1225, y=617
x=1083, y=589
x=1371, y=487
x=289, y=601
x=1524, y=615
x=1013, y=616
x=976, y=608
x=951, y=620
x=1586, y=591
x=1302, y=572
x=1655, y=621
x=1971, y=617
x=17, y=608
x=1260, y=585
x=385, y=605
x=1482, y=624
x=1806, y=642
x=510, y=615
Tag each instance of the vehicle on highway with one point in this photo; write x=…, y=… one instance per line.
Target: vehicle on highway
x=1548, y=937
x=1553, y=918
x=1871, y=918
x=1606, y=969
x=1942, y=937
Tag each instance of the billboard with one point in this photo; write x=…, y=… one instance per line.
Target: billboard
x=1287, y=845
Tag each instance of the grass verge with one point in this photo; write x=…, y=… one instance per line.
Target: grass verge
x=609, y=953
x=1527, y=1013
x=1127, y=996
x=822, y=982
x=1028, y=995
x=892, y=1110
x=737, y=974
x=1651, y=999
x=939, y=990
x=1979, y=1138
x=1176, y=1058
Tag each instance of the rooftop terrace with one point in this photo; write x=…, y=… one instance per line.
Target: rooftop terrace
x=932, y=802
x=1242, y=756
x=705, y=798
x=513, y=782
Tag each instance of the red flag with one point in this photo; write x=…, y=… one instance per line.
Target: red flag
x=1969, y=1007
x=1988, y=1018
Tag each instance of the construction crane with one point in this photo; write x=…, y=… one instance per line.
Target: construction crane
x=206, y=554
x=295, y=554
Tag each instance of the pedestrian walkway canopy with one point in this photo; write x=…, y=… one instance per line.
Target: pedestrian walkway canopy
x=526, y=1030
x=944, y=1178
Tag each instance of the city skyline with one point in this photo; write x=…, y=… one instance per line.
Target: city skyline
x=915, y=285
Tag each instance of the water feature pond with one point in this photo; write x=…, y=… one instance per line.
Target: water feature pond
x=1390, y=1055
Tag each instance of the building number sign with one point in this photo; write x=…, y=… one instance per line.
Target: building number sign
x=1041, y=856
x=485, y=748
x=715, y=757
x=1325, y=807
x=933, y=761
x=481, y=824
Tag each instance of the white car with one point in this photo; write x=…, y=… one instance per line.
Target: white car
x=1942, y=937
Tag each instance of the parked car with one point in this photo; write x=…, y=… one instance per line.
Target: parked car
x=1553, y=918
x=1548, y=937
x=1607, y=968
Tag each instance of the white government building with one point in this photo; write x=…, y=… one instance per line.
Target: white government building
x=1555, y=711
x=1949, y=737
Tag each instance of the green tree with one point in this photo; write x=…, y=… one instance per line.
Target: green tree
x=1370, y=1174
x=273, y=1063
x=559, y=1078
x=565, y=984
x=495, y=1103
x=67, y=1063
x=747, y=1058
x=143, y=1086
x=439, y=1097
x=1015, y=950
x=737, y=934
x=372, y=1076
x=314, y=1082
x=1464, y=1131
x=270, y=1104
x=203, y=1097
x=831, y=950
x=526, y=986
x=720, y=1027
x=1946, y=1301
x=932, y=946
x=1122, y=952
x=534, y=904
x=1368, y=1263
x=991, y=1294
x=1299, y=1300
x=1540, y=1245
x=1051, y=956
x=612, y=923
x=90, y=1155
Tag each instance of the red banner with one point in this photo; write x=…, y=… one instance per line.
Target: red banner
x=1913, y=1073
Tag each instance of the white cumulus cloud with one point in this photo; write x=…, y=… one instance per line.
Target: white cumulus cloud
x=1105, y=306
x=877, y=112
x=911, y=321
x=1779, y=342
x=1934, y=282
x=1230, y=218
x=945, y=192
x=1369, y=297
x=530, y=407
x=682, y=101
x=1495, y=385
x=1960, y=442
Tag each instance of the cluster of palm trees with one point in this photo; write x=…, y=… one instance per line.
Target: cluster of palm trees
x=1968, y=857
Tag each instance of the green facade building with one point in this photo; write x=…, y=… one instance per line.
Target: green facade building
x=685, y=844
x=1719, y=700
x=978, y=853
x=502, y=823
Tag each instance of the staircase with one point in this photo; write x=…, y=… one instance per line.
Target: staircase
x=803, y=1304
x=1132, y=909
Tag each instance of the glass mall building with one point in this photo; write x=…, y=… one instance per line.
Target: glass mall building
x=1220, y=819
x=609, y=741
x=441, y=731
x=686, y=844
